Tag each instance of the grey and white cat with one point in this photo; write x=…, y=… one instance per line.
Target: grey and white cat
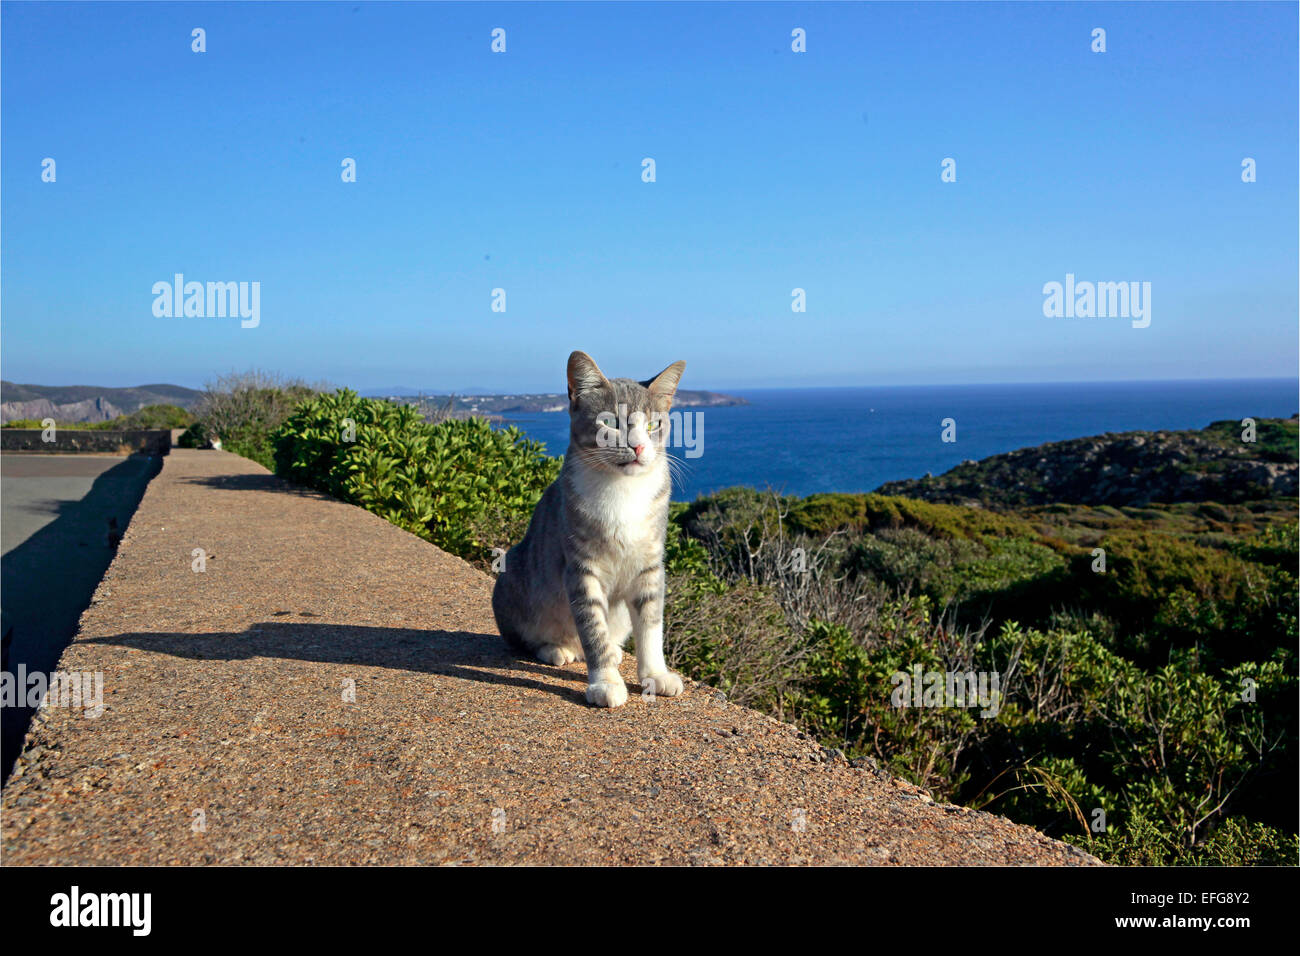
x=590, y=571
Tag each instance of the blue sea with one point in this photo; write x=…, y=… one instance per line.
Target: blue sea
x=806, y=440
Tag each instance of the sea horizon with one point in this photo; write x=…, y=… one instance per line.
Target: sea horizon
x=555, y=389
x=802, y=441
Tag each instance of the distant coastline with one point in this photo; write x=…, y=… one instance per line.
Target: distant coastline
x=95, y=403
x=537, y=402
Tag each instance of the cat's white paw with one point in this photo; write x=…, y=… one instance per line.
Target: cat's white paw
x=607, y=693
x=553, y=654
x=663, y=684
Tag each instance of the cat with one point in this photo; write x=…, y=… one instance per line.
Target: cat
x=589, y=572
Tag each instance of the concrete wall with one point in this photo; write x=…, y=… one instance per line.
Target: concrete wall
x=142, y=441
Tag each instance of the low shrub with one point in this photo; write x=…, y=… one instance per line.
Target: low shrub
x=244, y=410
x=1161, y=691
x=461, y=484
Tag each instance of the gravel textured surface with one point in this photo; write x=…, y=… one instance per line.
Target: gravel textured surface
x=228, y=735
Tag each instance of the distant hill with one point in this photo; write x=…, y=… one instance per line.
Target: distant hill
x=87, y=403
x=1126, y=468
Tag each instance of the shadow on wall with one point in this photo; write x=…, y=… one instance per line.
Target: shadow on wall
x=453, y=653
x=49, y=579
x=257, y=482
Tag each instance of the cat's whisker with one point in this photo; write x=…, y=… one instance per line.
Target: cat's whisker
x=678, y=470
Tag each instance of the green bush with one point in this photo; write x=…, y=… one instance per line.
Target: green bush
x=952, y=569
x=1162, y=691
x=1234, y=604
x=1237, y=842
x=157, y=416
x=196, y=436
x=734, y=637
x=243, y=410
x=461, y=484
x=824, y=513
x=1084, y=729
x=1275, y=439
x=846, y=698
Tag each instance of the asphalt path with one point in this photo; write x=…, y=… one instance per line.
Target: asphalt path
x=57, y=541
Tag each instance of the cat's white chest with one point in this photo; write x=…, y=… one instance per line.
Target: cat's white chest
x=624, y=508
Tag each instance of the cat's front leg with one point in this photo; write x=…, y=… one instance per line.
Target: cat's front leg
x=647, y=610
x=590, y=606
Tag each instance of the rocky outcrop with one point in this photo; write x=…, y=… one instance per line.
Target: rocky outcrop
x=127, y=399
x=88, y=410
x=1128, y=468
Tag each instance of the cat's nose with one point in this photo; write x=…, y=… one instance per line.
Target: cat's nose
x=638, y=450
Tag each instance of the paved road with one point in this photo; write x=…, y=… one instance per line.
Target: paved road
x=331, y=689
x=36, y=489
x=54, y=535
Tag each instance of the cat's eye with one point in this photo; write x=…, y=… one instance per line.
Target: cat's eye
x=651, y=425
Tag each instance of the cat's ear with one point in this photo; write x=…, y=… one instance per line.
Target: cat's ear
x=584, y=375
x=664, y=384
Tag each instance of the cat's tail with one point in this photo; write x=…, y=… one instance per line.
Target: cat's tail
x=512, y=638
x=500, y=610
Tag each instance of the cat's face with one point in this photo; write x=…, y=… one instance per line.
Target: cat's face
x=620, y=426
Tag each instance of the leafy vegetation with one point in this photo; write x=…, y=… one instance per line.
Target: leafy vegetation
x=1157, y=695
x=159, y=416
x=243, y=410
x=459, y=483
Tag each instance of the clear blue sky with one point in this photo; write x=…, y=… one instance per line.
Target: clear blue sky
x=775, y=170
